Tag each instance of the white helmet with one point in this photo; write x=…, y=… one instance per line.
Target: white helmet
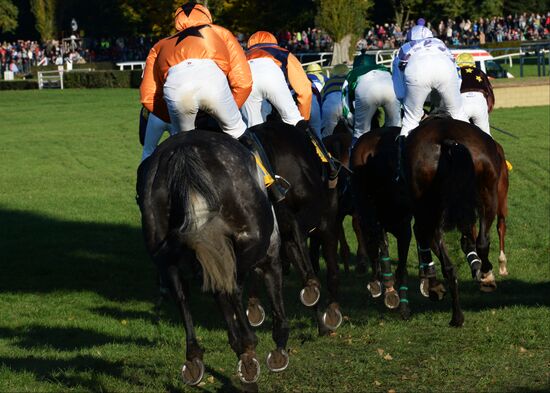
x=419, y=32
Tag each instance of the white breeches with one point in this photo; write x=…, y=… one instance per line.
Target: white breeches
x=153, y=133
x=197, y=84
x=269, y=84
x=475, y=107
x=332, y=113
x=315, y=116
x=374, y=90
x=424, y=73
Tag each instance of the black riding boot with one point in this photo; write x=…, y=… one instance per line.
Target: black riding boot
x=333, y=169
x=251, y=142
x=399, y=170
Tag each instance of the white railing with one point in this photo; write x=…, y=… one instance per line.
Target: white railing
x=55, y=78
x=47, y=78
x=130, y=64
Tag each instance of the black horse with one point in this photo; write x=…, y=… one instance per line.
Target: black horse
x=339, y=146
x=202, y=199
x=309, y=211
x=453, y=171
x=383, y=206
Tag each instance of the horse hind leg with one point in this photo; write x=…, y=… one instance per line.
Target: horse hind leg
x=449, y=271
x=255, y=311
x=278, y=359
x=193, y=369
x=403, y=243
x=487, y=279
x=241, y=338
x=502, y=260
x=361, y=256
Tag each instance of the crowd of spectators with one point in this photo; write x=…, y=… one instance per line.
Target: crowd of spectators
x=20, y=56
x=464, y=32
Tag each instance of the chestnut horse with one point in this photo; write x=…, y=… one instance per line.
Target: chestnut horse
x=453, y=171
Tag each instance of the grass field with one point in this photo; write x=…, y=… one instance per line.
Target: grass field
x=77, y=290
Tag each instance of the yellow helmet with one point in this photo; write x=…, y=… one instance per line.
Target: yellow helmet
x=465, y=59
x=340, y=70
x=314, y=68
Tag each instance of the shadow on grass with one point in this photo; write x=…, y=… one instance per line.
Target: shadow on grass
x=35, y=337
x=43, y=254
x=81, y=371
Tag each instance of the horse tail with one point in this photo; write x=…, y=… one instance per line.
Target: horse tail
x=459, y=193
x=198, y=223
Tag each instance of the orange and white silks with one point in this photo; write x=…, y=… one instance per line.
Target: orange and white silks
x=185, y=59
x=263, y=44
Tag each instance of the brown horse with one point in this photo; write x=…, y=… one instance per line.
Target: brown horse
x=453, y=173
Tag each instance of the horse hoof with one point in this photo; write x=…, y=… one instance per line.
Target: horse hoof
x=424, y=287
x=277, y=360
x=502, y=262
x=476, y=271
x=488, y=283
x=437, y=292
x=391, y=299
x=375, y=288
x=332, y=318
x=457, y=321
x=192, y=372
x=255, y=314
x=248, y=369
x=310, y=295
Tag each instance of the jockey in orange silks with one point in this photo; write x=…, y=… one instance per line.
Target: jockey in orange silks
x=275, y=71
x=202, y=67
x=264, y=52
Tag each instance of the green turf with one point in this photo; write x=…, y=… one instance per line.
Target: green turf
x=77, y=290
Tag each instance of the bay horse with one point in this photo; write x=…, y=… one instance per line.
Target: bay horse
x=309, y=211
x=453, y=171
x=383, y=206
x=203, y=200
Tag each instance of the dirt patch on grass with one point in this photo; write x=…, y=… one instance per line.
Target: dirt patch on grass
x=521, y=95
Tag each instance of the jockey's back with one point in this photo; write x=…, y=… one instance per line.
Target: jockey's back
x=197, y=38
x=263, y=44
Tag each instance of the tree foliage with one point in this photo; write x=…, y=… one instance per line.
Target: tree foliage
x=403, y=9
x=343, y=20
x=44, y=12
x=8, y=16
x=342, y=17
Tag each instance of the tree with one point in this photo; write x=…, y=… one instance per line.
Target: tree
x=343, y=20
x=44, y=12
x=8, y=16
x=402, y=10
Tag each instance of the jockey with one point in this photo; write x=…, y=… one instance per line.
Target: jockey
x=202, y=67
x=331, y=97
x=263, y=51
x=271, y=67
x=367, y=87
x=315, y=75
x=477, y=92
x=424, y=64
